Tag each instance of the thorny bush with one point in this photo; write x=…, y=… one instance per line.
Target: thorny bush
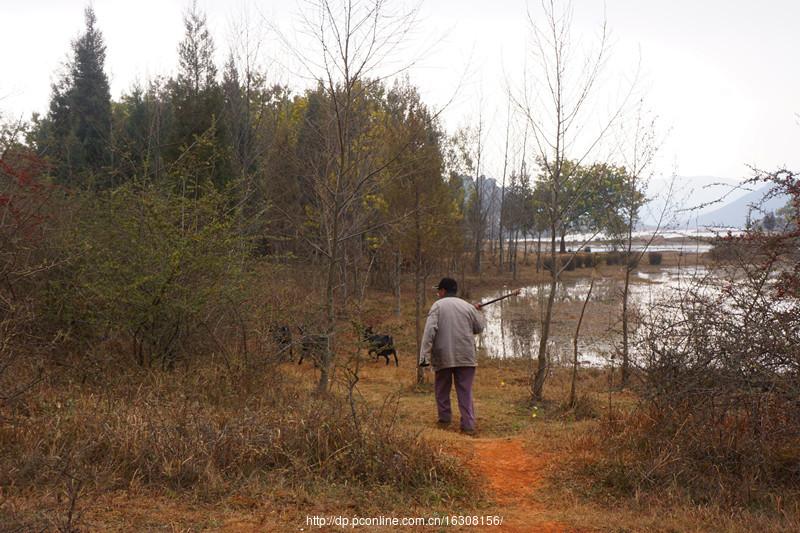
x=25, y=204
x=720, y=408
x=156, y=273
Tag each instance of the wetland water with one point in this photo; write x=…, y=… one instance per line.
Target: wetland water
x=513, y=325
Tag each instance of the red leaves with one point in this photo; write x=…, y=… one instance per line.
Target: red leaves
x=22, y=196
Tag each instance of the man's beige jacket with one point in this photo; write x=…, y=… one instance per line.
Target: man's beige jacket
x=449, y=338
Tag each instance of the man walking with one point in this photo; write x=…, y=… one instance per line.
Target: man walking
x=448, y=345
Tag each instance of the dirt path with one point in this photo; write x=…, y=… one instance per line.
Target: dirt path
x=515, y=479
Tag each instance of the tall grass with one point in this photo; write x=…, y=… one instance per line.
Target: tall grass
x=209, y=432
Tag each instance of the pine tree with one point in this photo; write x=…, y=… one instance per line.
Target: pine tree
x=197, y=102
x=91, y=96
x=196, y=54
x=76, y=134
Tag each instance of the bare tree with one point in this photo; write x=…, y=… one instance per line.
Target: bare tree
x=556, y=100
x=638, y=158
x=503, y=189
x=352, y=40
x=466, y=161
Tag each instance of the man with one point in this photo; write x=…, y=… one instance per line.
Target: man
x=448, y=345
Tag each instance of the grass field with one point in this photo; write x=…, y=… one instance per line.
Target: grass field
x=233, y=447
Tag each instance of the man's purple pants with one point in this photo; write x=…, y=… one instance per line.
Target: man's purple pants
x=463, y=376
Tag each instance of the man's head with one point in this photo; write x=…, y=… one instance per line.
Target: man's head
x=447, y=287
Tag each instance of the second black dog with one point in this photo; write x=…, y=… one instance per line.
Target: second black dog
x=380, y=345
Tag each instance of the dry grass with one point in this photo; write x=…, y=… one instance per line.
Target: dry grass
x=584, y=489
x=247, y=448
x=205, y=435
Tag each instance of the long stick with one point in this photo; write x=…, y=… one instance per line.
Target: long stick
x=515, y=293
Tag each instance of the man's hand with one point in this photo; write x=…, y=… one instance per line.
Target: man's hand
x=478, y=307
x=424, y=362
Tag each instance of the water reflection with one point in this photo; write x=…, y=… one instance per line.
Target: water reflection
x=513, y=325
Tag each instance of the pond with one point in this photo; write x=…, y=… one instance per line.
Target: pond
x=513, y=325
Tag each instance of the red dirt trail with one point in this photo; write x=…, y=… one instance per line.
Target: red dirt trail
x=515, y=478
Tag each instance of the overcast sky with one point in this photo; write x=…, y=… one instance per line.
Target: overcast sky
x=721, y=75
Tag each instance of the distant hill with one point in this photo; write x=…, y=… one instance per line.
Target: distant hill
x=734, y=214
x=690, y=195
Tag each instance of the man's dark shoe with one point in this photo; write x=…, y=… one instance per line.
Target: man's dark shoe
x=469, y=432
x=443, y=424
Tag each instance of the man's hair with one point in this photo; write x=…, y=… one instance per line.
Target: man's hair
x=449, y=285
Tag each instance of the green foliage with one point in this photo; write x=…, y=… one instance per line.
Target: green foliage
x=149, y=267
x=413, y=182
x=598, y=197
x=197, y=101
x=142, y=120
x=521, y=211
x=76, y=134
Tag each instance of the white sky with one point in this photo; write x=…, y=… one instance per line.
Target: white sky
x=721, y=75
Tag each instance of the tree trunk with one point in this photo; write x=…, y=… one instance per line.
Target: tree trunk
x=514, y=258
x=491, y=240
x=418, y=285
x=525, y=247
x=503, y=189
x=539, y=252
x=572, y=392
x=477, y=257
x=537, y=388
x=500, y=239
x=330, y=311
x=625, y=352
x=509, y=260
x=343, y=281
x=463, y=272
x=397, y=279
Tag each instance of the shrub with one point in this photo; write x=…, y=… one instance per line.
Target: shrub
x=578, y=260
x=585, y=408
x=150, y=268
x=613, y=258
x=719, y=418
x=654, y=258
x=725, y=250
x=26, y=207
x=563, y=260
x=588, y=260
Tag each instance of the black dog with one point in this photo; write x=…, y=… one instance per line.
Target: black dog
x=380, y=345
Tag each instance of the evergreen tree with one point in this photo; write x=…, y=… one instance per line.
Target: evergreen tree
x=91, y=96
x=197, y=102
x=76, y=134
x=196, y=54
